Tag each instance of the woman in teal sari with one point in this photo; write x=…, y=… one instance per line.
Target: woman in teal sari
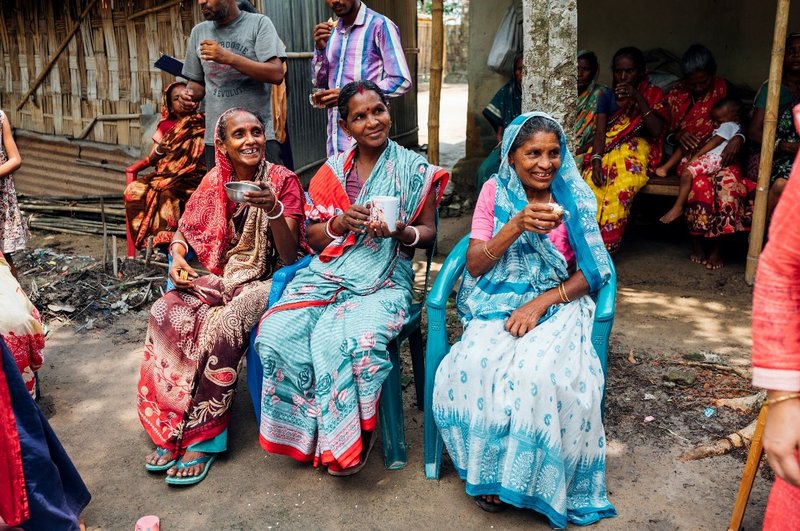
x=517, y=399
x=501, y=111
x=324, y=344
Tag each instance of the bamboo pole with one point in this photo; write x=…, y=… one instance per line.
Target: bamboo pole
x=767, y=140
x=749, y=474
x=145, y=12
x=435, y=94
x=55, y=56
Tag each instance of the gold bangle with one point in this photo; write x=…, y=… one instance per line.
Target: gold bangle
x=783, y=398
x=562, y=292
x=488, y=253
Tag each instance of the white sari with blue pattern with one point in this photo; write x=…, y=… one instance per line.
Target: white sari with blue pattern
x=521, y=417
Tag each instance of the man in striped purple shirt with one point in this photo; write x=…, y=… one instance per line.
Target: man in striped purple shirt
x=363, y=44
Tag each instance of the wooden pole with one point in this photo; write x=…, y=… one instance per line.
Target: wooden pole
x=435, y=94
x=749, y=474
x=55, y=56
x=767, y=141
x=145, y=12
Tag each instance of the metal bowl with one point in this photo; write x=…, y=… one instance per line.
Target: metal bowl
x=236, y=190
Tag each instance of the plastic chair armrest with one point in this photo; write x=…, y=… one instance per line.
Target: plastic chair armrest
x=282, y=277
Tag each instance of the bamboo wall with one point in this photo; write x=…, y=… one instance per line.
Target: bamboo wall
x=107, y=68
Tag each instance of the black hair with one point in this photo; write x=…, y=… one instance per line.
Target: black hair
x=168, y=97
x=632, y=53
x=734, y=104
x=698, y=58
x=537, y=124
x=222, y=126
x=592, y=59
x=246, y=6
x=357, y=87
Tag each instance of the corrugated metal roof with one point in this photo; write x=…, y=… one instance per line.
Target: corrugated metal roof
x=57, y=166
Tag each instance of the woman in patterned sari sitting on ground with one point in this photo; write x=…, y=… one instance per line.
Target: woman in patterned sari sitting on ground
x=518, y=398
x=198, y=332
x=324, y=345
x=626, y=144
x=154, y=203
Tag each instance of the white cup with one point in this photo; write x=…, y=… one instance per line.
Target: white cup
x=385, y=208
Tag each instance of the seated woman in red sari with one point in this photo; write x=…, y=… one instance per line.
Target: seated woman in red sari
x=198, y=332
x=718, y=203
x=154, y=203
x=625, y=144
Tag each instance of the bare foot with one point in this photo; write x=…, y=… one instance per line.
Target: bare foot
x=661, y=171
x=714, y=262
x=157, y=458
x=671, y=215
x=698, y=259
x=195, y=470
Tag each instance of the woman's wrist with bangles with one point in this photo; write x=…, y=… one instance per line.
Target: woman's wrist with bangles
x=180, y=243
x=776, y=397
x=414, y=240
x=270, y=214
x=330, y=230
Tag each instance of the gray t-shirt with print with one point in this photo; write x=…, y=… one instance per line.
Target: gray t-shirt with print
x=251, y=35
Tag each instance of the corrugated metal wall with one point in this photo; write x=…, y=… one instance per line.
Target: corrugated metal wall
x=295, y=21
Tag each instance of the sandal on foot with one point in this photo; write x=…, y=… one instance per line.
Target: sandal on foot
x=355, y=469
x=206, y=460
x=488, y=506
x=161, y=452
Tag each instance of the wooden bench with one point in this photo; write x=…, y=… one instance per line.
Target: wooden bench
x=667, y=186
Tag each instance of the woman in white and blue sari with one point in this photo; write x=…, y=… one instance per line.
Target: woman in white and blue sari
x=517, y=399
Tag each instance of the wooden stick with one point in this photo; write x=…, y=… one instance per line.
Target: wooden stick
x=120, y=213
x=767, y=141
x=105, y=233
x=148, y=11
x=149, y=252
x=435, y=94
x=707, y=365
x=55, y=56
x=115, y=266
x=749, y=475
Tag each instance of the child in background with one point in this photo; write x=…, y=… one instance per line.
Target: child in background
x=708, y=159
x=13, y=229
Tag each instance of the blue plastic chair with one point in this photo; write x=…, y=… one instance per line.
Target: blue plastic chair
x=438, y=346
x=392, y=419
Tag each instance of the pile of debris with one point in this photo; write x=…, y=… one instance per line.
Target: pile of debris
x=79, y=290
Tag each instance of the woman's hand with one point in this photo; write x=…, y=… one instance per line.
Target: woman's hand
x=180, y=265
x=731, y=150
x=785, y=147
x=782, y=440
x=539, y=218
x=598, y=178
x=379, y=229
x=688, y=141
x=263, y=199
x=353, y=220
x=524, y=319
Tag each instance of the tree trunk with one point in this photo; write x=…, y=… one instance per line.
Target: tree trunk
x=550, y=41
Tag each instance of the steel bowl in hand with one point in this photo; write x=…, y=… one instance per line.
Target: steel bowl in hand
x=236, y=190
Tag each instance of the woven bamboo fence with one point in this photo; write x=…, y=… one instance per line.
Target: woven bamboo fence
x=105, y=68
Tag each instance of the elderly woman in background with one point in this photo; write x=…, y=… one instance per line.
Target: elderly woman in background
x=626, y=143
x=501, y=111
x=718, y=205
x=589, y=91
x=776, y=355
x=787, y=140
x=154, y=203
x=324, y=344
x=198, y=332
x=518, y=398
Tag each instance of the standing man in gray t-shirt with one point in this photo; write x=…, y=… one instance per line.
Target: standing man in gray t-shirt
x=232, y=60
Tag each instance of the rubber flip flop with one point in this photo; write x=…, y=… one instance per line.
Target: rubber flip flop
x=207, y=460
x=161, y=452
x=361, y=464
x=488, y=506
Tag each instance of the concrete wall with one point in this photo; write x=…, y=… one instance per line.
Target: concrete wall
x=738, y=32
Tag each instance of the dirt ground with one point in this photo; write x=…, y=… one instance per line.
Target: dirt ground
x=667, y=307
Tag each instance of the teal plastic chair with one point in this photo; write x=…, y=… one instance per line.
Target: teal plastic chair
x=438, y=346
x=391, y=415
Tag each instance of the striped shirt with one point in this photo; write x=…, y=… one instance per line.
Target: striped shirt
x=369, y=49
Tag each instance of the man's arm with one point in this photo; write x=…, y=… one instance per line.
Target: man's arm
x=398, y=78
x=320, y=68
x=270, y=71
